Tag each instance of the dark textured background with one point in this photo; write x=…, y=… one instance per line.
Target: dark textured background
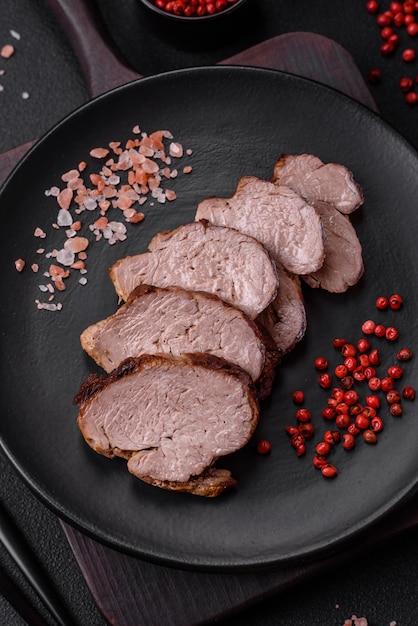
x=382, y=584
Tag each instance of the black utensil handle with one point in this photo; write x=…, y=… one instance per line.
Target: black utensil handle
x=17, y=599
x=100, y=64
x=18, y=548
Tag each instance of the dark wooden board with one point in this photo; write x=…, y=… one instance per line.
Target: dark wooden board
x=127, y=590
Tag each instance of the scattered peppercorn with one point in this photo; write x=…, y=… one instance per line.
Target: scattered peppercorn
x=353, y=430
x=323, y=448
x=386, y=384
x=395, y=371
x=362, y=422
x=369, y=372
x=363, y=345
x=380, y=330
x=404, y=355
x=264, y=446
x=351, y=363
x=369, y=437
x=341, y=371
x=342, y=421
x=408, y=393
x=347, y=382
x=348, y=350
x=338, y=342
x=349, y=441
x=409, y=55
x=368, y=327
x=395, y=301
x=393, y=396
x=321, y=363
x=298, y=397
x=303, y=415
x=382, y=303
x=377, y=424
x=292, y=430
x=351, y=397
x=329, y=471
x=325, y=381
x=373, y=402
x=375, y=384
x=406, y=84
x=374, y=75
x=319, y=462
x=396, y=409
x=364, y=360
x=411, y=98
x=392, y=334
x=328, y=413
x=374, y=357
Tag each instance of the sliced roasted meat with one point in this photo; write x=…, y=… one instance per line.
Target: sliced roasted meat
x=343, y=265
x=171, y=418
x=285, y=318
x=203, y=257
x=174, y=321
x=315, y=181
x=276, y=216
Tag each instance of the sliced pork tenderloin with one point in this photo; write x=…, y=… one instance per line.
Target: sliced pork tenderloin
x=203, y=257
x=315, y=181
x=171, y=418
x=174, y=321
x=343, y=265
x=276, y=216
x=285, y=318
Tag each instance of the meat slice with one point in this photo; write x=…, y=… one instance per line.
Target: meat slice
x=171, y=418
x=315, y=181
x=174, y=321
x=275, y=215
x=285, y=318
x=343, y=265
x=203, y=257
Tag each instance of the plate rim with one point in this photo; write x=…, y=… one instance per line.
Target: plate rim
x=165, y=558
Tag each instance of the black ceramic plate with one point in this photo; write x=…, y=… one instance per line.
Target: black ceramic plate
x=237, y=121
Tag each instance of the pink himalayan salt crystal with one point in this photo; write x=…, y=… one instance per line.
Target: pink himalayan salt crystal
x=66, y=257
x=189, y=151
x=187, y=169
x=82, y=256
x=170, y=195
x=69, y=175
x=76, y=244
x=176, y=150
x=7, y=51
x=38, y=232
x=150, y=167
x=99, y=153
x=135, y=219
x=102, y=222
x=136, y=130
x=64, y=218
x=34, y=267
x=64, y=198
x=82, y=166
x=20, y=265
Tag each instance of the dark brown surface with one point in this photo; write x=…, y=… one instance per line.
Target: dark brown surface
x=115, y=564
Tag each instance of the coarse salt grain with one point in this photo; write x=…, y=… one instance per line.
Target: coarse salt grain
x=136, y=130
x=99, y=153
x=38, y=232
x=25, y=95
x=65, y=257
x=34, y=267
x=64, y=218
x=20, y=265
x=83, y=281
x=189, y=151
x=14, y=34
x=176, y=150
x=7, y=51
x=1, y=88
x=40, y=251
x=187, y=169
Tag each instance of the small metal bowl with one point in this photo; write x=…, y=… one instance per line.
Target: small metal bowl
x=190, y=20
